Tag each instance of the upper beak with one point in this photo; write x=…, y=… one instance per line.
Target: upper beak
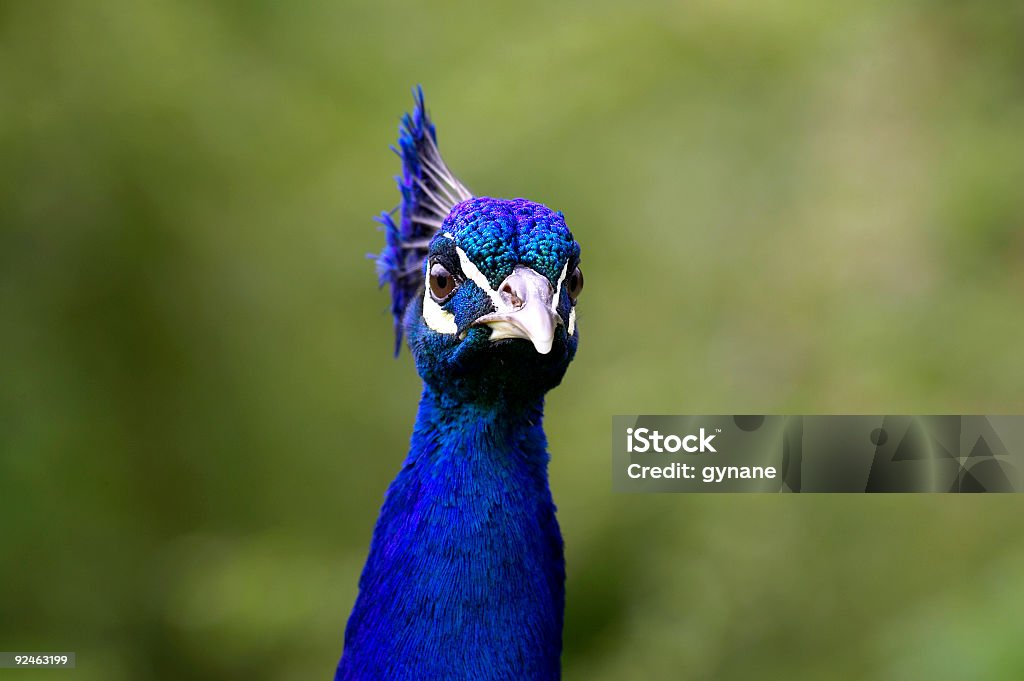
x=525, y=310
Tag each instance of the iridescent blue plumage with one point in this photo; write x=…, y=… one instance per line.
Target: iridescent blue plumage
x=429, y=190
x=465, y=576
x=498, y=234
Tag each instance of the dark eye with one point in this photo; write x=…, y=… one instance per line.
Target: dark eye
x=442, y=283
x=575, y=284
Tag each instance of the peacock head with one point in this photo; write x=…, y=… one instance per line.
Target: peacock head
x=484, y=289
x=497, y=314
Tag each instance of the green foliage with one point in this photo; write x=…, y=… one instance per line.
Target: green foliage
x=784, y=207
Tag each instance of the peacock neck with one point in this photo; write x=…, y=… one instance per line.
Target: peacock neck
x=465, y=577
x=500, y=433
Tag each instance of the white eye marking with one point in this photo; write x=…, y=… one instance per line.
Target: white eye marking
x=558, y=289
x=442, y=321
x=477, y=277
x=436, y=317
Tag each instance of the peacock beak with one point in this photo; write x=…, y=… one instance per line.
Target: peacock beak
x=524, y=310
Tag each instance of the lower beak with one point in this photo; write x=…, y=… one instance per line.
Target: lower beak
x=526, y=310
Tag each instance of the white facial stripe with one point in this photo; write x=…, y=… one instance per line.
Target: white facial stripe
x=558, y=288
x=442, y=321
x=436, y=317
x=478, y=278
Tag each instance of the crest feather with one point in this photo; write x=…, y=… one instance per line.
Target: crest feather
x=429, y=192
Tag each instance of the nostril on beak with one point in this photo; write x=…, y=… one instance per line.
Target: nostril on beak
x=511, y=295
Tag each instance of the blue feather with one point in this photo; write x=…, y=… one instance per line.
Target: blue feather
x=429, y=191
x=465, y=575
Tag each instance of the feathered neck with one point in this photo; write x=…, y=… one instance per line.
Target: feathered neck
x=486, y=428
x=465, y=574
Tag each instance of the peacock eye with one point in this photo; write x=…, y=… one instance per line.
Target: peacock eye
x=442, y=283
x=575, y=284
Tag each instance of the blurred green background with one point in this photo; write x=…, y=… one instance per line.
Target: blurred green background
x=785, y=207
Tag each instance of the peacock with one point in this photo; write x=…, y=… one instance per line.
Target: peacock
x=465, y=577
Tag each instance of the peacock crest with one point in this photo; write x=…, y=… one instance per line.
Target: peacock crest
x=429, y=192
